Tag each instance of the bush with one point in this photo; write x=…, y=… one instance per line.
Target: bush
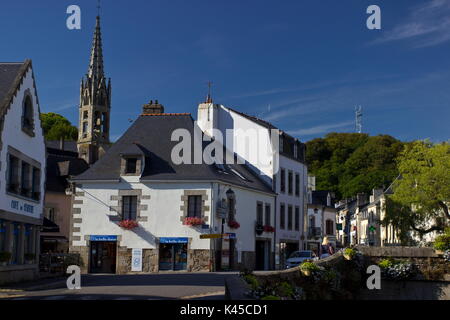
x=442, y=242
x=385, y=263
x=252, y=281
x=396, y=269
x=309, y=266
x=270, y=298
x=350, y=252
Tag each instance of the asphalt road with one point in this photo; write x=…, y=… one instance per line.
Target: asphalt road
x=160, y=286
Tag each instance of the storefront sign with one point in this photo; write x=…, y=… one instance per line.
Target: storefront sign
x=103, y=238
x=136, y=260
x=173, y=240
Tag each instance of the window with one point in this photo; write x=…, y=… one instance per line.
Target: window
x=129, y=207
x=297, y=184
x=289, y=217
x=282, y=216
x=25, y=185
x=36, y=184
x=194, y=206
x=50, y=214
x=16, y=245
x=131, y=165
x=85, y=129
x=283, y=180
x=27, y=116
x=295, y=150
x=268, y=222
x=28, y=243
x=297, y=218
x=330, y=227
x=85, y=115
x=259, y=214
x=13, y=174
x=290, y=182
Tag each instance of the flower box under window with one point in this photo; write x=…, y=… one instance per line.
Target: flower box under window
x=233, y=224
x=193, y=221
x=269, y=229
x=128, y=224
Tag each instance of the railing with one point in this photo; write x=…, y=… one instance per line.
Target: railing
x=57, y=263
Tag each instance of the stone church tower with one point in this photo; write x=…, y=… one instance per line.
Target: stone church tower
x=95, y=105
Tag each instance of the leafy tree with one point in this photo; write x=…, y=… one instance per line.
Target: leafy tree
x=56, y=126
x=348, y=163
x=420, y=201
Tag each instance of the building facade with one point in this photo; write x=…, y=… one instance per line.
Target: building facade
x=281, y=164
x=183, y=216
x=320, y=220
x=22, y=173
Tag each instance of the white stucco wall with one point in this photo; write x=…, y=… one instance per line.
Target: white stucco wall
x=32, y=147
x=163, y=213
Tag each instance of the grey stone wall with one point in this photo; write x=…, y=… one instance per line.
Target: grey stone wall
x=199, y=260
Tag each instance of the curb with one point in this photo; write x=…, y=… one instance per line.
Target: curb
x=50, y=285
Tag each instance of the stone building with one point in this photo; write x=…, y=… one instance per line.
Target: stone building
x=179, y=207
x=22, y=172
x=95, y=105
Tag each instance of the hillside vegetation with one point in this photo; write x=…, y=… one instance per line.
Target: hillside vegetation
x=348, y=163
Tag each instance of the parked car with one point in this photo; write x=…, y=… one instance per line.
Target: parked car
x=297, y=257
x=324, y=255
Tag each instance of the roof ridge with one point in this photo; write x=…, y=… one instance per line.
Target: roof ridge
x=166, y=114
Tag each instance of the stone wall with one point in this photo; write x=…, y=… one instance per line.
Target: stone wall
x=12, y=274
x=83, y=251
x=199, y=260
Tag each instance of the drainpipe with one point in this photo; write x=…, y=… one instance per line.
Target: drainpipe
x=275, y=226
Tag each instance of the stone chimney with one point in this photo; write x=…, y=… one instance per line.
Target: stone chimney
x=361, y=199
x=153, y=107
x=61, y=143
x=375, y=194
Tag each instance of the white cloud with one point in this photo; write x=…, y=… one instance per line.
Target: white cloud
x=427, y=25
x=321, y=129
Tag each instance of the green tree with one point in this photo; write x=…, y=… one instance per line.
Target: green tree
x=420, y=201
x=348, y=163
x=55, y=126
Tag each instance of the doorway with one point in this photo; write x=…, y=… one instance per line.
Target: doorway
x=173, y=256
x=262, y=255
x=102, y=257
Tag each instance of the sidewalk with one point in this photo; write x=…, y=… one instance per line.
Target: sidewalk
x=41, y=284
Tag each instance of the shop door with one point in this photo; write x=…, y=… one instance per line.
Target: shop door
x=103, y=257
x=173, y=256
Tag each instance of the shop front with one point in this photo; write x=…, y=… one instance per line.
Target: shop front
x=102, y=254
x=173, y=253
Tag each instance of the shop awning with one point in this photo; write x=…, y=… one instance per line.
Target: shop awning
x=49, y=226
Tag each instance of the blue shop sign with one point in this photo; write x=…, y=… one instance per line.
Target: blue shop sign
x=173, y=240
x=103, y=238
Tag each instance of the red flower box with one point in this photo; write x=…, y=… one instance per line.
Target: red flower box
x=269, y=229
x=234, y=224
x=193, y=221
x=128, y=224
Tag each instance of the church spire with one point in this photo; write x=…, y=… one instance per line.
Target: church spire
x=96, y=62
x=95, y=104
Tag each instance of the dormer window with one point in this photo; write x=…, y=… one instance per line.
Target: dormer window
x=27, y=115
x=130, y=167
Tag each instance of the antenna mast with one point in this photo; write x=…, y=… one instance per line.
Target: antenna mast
x=358, y=119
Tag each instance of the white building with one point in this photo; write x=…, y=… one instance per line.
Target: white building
x=321, y=220
x=282, y=167
x=137, y=179
x=22, y=172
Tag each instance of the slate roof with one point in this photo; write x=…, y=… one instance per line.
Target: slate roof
x=319, y=197
x=68, y=145
x=11, y=74
x=60, y=166
x=152, y=135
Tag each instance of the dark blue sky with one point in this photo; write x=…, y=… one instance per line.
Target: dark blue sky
x=303, y=65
